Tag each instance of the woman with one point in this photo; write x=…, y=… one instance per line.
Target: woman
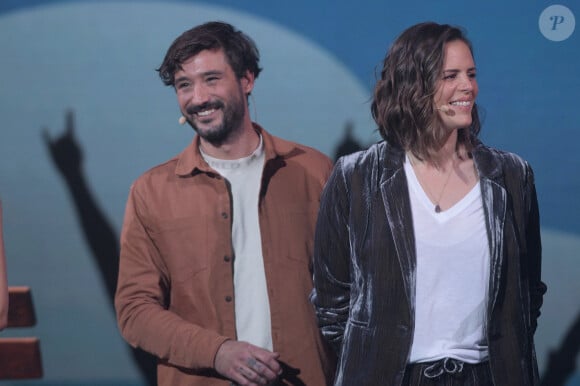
x=3, y=280
x=427, y=251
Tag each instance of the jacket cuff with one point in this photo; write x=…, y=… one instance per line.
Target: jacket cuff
x=208, y=350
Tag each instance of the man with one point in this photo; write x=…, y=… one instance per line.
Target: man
x=216, y=246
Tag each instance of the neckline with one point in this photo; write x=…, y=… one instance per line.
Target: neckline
x=428, y=193
x=226, y=164
x=426, y=202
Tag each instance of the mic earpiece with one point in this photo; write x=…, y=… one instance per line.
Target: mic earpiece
x=182, y=120
x=446, y=109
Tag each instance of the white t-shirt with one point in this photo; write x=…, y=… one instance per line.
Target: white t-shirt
x=252, y=305
x=452, y=277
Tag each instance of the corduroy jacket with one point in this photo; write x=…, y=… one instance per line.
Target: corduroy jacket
x=175, y=295
x=365, y=260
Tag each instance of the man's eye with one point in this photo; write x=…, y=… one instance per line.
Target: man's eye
x=182, y=85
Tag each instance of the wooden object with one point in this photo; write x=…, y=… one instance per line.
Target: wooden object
x=20, y=308
x=20, y=358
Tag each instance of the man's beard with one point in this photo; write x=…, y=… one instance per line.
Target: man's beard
x=232, y=118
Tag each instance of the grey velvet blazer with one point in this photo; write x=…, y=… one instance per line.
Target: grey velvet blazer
x=364, y=266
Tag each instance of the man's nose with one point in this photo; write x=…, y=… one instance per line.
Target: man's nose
x=199, y=95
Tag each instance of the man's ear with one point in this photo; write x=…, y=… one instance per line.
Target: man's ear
x=247, y=82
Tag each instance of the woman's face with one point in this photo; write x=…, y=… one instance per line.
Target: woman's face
x=457, y=87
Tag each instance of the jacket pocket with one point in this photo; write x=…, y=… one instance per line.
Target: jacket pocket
x=297, y=222
x=182, y=243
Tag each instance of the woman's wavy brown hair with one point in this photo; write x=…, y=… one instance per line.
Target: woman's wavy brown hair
x=402, y=103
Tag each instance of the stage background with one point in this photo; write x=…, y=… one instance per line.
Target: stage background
x=98, y=59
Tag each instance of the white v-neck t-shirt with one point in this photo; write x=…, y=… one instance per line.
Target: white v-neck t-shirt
x=452, y=277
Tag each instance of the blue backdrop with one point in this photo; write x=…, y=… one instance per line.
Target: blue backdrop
x=98, y=59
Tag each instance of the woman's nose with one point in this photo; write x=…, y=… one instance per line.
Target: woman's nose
x=467, y=83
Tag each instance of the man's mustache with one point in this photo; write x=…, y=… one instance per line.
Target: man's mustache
x=194, y=109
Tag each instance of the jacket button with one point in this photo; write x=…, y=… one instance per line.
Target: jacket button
x=224, y=215
x=227, y=259
x=228, y=298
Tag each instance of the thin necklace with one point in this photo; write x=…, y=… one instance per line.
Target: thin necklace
x=437, y=206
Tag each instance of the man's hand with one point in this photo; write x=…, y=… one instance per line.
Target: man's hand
x=246, y=364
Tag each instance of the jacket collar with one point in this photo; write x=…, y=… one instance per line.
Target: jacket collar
x=486, y=160
x=191, y=162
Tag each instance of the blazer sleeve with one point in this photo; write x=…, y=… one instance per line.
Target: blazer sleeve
x=331, y=293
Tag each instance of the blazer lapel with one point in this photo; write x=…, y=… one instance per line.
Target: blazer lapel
x=494, y=198
x=395, y=197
